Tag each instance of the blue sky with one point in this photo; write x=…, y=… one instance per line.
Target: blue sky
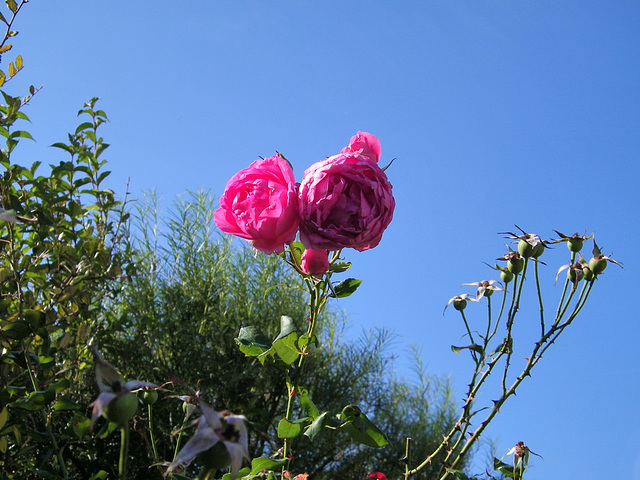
x=498, y=113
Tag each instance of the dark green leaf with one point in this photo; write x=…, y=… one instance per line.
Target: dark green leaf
x=16, y=330
x=345, y=288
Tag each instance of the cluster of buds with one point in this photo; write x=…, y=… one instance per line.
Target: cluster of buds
x=583, y=269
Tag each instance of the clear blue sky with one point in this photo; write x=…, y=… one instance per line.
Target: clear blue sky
x=499, y=113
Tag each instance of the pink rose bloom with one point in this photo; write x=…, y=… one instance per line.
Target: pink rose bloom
x=345, y=201
x=314, y=262
x=260, y=204
x=365, y=144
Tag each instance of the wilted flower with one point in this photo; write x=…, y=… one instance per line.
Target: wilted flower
x=115, y=402
x=575, y=273
x=521, y=454
x=574, y=242
x=485, y=288
x=529, y=244
x=598, y=262
x=460, y=301
x=212, y=430
x=515, y=262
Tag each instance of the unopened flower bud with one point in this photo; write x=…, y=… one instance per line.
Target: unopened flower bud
x=597, y=264
x=314, y=261
x=121, y=409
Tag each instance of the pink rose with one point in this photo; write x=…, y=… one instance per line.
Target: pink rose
x=345, y=201
x=260, y=203
x=314, y=262
x=365, y=144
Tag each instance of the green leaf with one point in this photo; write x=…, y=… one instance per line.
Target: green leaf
x=4, y=415
x=287, y=429
x=101, y=475
x=361, y=429
x=286, y=327
x=65, y=404
x=474, y=347
x=345, y=288
x=340, y=267
x=252, y=341
x=34, y=318
x=21, y=134
x=263, y=463
x=307, y=404
x=287, y=349
x=16, y=330
x=317, y=425
x=12, y=5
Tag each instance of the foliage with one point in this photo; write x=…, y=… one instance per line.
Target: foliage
x=179, y=318
x=62, y=255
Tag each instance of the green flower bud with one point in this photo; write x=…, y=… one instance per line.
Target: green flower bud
x=121, y=409
x=460, y=304
x=149, y=397
x=597, y=264
x=575, y=243
x=525, y=249
x=506, y=276
x=587, y=274
x=538, y=250
x=515, y=265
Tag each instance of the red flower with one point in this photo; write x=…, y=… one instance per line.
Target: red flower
x=378, y=475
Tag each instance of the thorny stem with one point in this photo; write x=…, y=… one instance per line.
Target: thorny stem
x=478, y=378
x=318, y=295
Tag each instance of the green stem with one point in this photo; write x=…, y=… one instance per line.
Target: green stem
x=539, y=298
x=156, y=458
x=124, y=452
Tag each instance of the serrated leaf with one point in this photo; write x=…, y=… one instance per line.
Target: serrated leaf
x=19, y=62
x=340, y=267
x=12, y=69
x=345, y=288
x=5, y=48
